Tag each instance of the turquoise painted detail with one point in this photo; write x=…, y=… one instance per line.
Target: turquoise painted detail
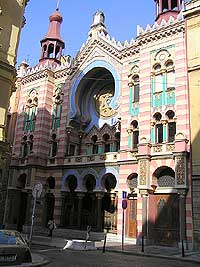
x=129, y=142
x=88, y=152
x=157, y=100
x=164, y=133
x=164, y=88
x=133, y=107
x=152, y=91
x=56, y=116
x=170, y=98
x=152, y=135
x=131, y=100
x=100, y=149
x=112, y=147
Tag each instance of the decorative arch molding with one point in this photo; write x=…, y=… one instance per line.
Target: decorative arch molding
x=164, y=176
x=68, y=173
x=113, y=102
x=89, y=171
x=107, y=170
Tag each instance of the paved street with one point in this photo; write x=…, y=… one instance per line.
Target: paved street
x=71, y=258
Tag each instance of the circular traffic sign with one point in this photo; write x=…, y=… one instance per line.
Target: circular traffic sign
x=124, y=204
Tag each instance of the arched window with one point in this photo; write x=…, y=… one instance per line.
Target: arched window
x=57, y=108
x=31, y=143
x=50, y=51
x=135, y=135
x=170, y=73
x=117, y=142
x=165, y=6
x=44, y=51
x=163, y=79
x=158, y=128
x=31, y=112
x=136, y=90
x=171, y=125
x=158, y=79
x=106, y=138
x=54, y=146
x=24, y=147
x=57, y=52
x=94, y=144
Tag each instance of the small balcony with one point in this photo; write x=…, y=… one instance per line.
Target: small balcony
x=164, y=148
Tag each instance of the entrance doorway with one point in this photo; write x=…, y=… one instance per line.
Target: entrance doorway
x=166, y=227
x=132, y=218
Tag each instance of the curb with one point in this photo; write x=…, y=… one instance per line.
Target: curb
x=44, y=262
x=140, y=254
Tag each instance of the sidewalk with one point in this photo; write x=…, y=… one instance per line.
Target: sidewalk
x=153, y=251
x=131, y=249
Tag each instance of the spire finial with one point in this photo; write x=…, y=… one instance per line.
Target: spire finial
x=57, y=6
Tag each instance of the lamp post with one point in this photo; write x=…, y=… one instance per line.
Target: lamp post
x=36, y=192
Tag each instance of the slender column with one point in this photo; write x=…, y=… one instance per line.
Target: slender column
x=144, y=195
x=68, y=132
x=62, y=216
x=179, y=5
x=182, y=216
x=80, y=196
x=169, y=5
x=28, y=208
x=99, y=196
x=80, y=141
x=160, y=6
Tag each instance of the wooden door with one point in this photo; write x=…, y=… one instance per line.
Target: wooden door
x=131, y=218
x=167, y=219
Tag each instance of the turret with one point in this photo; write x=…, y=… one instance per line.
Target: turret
x=167, y=8
x=98, y=24
x=52, y=44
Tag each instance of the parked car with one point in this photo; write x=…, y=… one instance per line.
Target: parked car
x=13, y=249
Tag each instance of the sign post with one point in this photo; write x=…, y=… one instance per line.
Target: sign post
x=124, y=206
x=36, y=192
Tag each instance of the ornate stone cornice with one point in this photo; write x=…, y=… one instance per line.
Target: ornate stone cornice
x=116, y=49
x=34, y=77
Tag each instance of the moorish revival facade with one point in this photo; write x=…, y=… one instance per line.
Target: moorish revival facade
x=114, y=118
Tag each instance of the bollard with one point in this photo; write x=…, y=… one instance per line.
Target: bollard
x=104, y=244
x=142, y=244
x=183, y=252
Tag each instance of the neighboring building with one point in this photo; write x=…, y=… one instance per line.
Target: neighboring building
x=192, y=17
x=115, y=118
x=11, y=22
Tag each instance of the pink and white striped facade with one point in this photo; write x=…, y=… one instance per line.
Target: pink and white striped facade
x=82, y=156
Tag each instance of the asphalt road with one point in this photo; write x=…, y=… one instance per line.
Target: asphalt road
x=71, y=258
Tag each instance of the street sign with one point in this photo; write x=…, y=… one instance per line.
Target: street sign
x=124, y=204
x=37, y=190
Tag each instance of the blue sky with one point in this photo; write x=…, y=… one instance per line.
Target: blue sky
x=121, y=19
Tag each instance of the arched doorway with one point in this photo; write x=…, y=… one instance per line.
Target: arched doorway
x=109, y=203
x=49, y=199
x=166, y=226
x=21, y=202
x=131, y=213
x=70, y=203
x=88, y=206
